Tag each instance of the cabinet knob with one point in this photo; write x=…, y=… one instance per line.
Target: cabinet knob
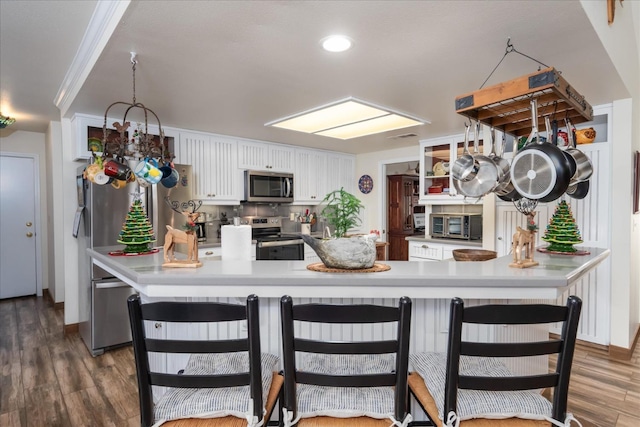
x=499, y=238
x=208, y=253
x=424, y=247
x=157, y=325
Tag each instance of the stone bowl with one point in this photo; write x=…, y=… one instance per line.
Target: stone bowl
x=473, y=254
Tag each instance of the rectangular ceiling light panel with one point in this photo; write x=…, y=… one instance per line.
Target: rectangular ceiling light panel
x=369, y=127
x=349, y=118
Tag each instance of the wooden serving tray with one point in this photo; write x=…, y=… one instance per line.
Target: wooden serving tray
x=506, y=106
x=319, y=266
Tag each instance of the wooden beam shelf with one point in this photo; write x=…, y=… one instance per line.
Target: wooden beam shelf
x=506, y=106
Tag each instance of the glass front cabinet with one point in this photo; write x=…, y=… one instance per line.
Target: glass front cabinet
x=436, y=157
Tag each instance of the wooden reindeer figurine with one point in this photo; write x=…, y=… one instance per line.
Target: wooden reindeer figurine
x=188, y=237
x=524, y=240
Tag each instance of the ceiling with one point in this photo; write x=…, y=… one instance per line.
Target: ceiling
x=228, y=67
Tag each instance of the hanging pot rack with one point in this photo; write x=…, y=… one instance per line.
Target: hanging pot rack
x=505, y=106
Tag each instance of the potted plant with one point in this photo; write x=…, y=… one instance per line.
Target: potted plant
x=342, y=252
x=342, y=211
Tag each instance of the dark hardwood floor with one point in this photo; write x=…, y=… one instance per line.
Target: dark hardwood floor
x=48, y=379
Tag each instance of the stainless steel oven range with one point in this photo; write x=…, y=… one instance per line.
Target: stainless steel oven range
x=271, y=243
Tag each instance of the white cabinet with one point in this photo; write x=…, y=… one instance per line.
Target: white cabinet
x=436, y=185
x=422, y=251
x=433, y=251
x=214, y=161
x=309, y=185
x=263, y=156
x=84, y=127
x=310, y=255
x=508, y=218
x=340, y=173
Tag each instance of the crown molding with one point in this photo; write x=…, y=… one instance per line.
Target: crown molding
x=104, y=21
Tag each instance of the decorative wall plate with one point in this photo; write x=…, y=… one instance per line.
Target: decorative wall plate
x=365, y=184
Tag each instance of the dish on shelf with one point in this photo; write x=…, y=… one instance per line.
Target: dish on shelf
x=439, y=169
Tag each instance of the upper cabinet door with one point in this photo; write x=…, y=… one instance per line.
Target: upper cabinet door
x=340, y=172
x=214, y=166
x=264, y=156
x=309, y=184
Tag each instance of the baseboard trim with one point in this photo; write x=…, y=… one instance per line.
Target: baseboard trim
x=74, y=328
x=56, y=305
x=622, y=353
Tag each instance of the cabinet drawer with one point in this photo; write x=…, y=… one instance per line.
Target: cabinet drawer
x=424, y=250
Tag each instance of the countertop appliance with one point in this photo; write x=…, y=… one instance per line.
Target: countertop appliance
x=271, y=243
x=104, y=319
x=456, y=226
x=268, y=187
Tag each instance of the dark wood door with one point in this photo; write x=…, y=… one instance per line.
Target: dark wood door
x=398, y=247
x=400, y=199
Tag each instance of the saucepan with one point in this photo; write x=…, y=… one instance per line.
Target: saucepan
x=584, y=168
x=486, y=176
x=552, y=136
x=509, y=193
x=464, y=168
x=502, y=164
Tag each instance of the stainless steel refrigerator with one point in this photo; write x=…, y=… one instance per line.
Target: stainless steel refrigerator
x=102, y=209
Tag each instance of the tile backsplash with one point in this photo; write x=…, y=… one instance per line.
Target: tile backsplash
x=222, y=215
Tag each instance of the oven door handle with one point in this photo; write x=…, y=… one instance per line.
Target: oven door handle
x=279, y=243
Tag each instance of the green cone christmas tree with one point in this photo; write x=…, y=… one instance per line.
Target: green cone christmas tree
x=562, y=232
x=137, y=232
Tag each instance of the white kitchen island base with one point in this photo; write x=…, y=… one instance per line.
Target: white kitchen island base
x=430, y=286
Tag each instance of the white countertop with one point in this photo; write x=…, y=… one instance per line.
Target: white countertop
x=445, y=279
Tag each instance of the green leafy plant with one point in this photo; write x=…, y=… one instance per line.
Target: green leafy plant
x=341, y=211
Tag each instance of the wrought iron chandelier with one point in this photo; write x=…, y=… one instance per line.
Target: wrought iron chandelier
x=140, y=144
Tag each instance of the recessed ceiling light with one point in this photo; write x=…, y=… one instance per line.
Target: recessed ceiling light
x=346, y=119
x=336, y=43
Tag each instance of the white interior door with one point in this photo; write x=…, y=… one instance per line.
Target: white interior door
x=18, y=177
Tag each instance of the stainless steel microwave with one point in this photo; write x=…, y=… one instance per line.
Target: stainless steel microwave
x=268, y=187
x=456, y=226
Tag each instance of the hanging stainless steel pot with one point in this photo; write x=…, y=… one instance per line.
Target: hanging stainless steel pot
x=584, y=168
x=579, y=190
x=509, y=193
x=464, y=168
x=504, y=168
x=486, y=176
x=552, y=137
x=540, y=171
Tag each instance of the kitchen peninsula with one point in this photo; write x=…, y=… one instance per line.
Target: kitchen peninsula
x=430, y=285
x=272, y=279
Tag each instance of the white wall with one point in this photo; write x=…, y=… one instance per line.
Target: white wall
x=622, y=42
x=369, y=164
x=67, y=271
x=33, y=143
x=55, y=189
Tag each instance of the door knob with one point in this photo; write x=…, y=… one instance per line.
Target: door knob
x=29, y=224
x=29, y=234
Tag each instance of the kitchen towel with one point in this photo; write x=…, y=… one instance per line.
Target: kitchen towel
x=236, y=242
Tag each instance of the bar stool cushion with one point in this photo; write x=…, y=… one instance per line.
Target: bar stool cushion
x=526, y=404
x=214, y=402
x=346, y=402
